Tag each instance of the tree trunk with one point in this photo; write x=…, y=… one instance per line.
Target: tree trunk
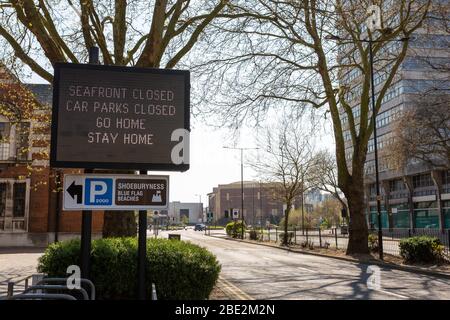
x=358, y=232
x=119, y=224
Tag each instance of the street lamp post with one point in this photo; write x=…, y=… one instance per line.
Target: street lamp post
x=242, y=183
x=200, y=205
x=377, y=174
x=372, y=85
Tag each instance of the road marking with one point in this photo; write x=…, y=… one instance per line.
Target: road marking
x=234, y=291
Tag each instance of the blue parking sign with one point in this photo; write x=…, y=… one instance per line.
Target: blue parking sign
x=98, y=191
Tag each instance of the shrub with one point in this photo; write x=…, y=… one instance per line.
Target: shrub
x=373, y=242
x=421, y=249
x=180, y=270
x=254, y=235
x=290, y=236
x=234, y=229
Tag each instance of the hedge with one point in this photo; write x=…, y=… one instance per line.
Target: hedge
x=179, y=269
x=373, y=243
x=234, y=229
x=421, y=249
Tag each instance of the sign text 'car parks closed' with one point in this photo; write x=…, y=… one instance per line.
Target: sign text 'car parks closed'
x=120, y=118
x=115, y=192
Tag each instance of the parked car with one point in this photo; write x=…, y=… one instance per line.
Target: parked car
x=199, y=227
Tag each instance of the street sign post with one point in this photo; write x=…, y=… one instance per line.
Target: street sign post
x=111, y=117
x=115, y=192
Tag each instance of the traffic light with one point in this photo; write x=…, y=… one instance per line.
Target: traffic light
x=344, y=212
x=226, y=213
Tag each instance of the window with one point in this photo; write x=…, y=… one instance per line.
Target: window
x=446, y=177
x=228, y=196
x=384, y=118
x=347, y=135
x=19, y=194
x=396, y=185
x=4, y=140
x=3, y=187
x=22, y=140
x=274, y=212
x=422, y=180
x=426, y=215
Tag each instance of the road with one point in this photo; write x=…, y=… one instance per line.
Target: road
x=269, y=273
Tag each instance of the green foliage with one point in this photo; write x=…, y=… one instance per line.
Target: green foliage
x=184, y=220
x=373, y=242
x=295, y=218
x=326, y=224
x=234, y=229
x=180, y=270
x=421, y=249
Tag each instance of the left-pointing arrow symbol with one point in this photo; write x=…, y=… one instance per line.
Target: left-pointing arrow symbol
x=76, y=190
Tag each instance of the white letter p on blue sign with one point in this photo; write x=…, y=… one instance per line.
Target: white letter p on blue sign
x=99, y=191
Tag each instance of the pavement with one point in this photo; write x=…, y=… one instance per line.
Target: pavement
x=269, y=273
x=16, y=264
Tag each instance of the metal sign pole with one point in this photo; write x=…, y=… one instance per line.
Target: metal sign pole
x=142, y=250
x=86, y=222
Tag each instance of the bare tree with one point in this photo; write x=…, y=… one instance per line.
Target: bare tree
x=152, y=33
x=282, y=53
x=324, y=176
x=285, y=164
x=149, y=33
x=422, y=136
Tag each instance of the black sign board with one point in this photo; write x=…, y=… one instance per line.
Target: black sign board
x=110, y=117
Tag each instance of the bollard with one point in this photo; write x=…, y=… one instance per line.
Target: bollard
x=10, y=291
x=320, y=238
x=268, y=232
x=448, y=241
x=295, y=235
x=307, y=235
x=335, y=237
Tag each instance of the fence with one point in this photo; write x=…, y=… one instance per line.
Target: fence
x=338, y=238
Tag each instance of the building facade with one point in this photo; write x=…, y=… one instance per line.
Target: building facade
x=184, y=212
x=418, y=195
x=262, y=203
x=30, y=212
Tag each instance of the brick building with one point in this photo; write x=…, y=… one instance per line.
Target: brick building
x=262, y=204
x=29, y=203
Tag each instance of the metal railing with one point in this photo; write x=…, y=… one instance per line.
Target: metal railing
x=13, y=284
x=337, y=238
x=41, y=289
